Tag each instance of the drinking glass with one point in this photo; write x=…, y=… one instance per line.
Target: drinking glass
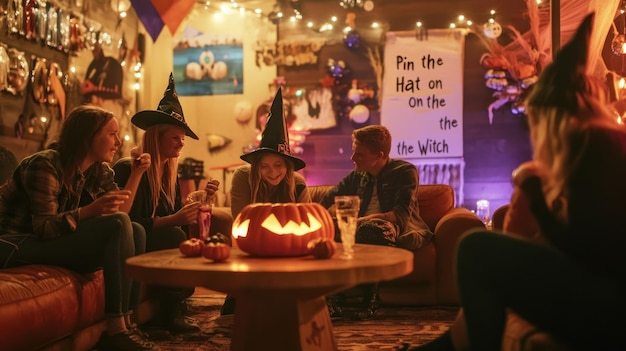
x=204, y=213
x=482, y=211
x=347, y=211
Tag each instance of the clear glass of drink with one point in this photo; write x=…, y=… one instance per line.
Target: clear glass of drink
x=204, y=212
x=482, y=211
x=347, y=211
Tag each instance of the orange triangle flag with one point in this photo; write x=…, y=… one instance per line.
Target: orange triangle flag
x=173, y=12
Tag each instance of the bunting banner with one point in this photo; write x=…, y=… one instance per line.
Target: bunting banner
x=155, y=14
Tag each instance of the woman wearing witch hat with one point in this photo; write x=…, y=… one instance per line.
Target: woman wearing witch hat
x=158, y=206
x=570, y=280
x=272, y=174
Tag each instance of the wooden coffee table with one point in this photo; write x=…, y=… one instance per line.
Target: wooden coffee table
x=281, y=302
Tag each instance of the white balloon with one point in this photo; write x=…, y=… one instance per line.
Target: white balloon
x=360, y=114
x=243, y=111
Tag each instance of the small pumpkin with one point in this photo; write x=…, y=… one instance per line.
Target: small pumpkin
x=217, y=252
x=321, y=248
x=281, y=229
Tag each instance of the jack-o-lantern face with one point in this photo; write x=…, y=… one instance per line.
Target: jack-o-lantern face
x=283, y=229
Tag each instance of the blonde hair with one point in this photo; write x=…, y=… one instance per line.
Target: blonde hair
x=286, y=189
x=552, y=128
x=160, y=183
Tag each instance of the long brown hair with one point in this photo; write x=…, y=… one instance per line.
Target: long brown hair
x=286, y=189
x=165, y=182
x=77, y=134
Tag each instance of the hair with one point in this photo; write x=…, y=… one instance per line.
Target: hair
x=77, y=134
x=375, y=137
x=286, y=191
x=160, y=182
x=552, y=126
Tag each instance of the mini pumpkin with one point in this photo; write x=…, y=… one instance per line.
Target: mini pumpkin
x=281, y=229
x=217, y=252
x=321, y=248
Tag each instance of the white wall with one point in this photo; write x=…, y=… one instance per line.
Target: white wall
x=212, y=114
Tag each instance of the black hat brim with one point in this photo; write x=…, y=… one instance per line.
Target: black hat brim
x=148, y=118
x=298, y=164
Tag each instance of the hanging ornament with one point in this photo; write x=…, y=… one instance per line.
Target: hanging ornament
x=351, y=4
x=352, y=38
x=359, y=114
x=492, y=29
x=618, y=45
x=336, y=68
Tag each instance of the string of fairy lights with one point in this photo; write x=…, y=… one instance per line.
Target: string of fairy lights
x=290, y=11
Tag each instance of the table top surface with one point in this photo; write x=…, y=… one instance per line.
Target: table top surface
x=371, y=263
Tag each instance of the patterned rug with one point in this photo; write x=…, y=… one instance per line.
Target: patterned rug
x=390, y=328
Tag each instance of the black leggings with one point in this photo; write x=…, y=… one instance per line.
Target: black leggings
x=497, y=272
x=162, y=239
x=100, y=242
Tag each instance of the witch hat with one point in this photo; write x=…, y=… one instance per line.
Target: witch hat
x=275, y=138
x=169, y=112
x=566, y=77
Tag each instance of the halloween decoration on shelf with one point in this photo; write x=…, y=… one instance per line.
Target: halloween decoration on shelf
x=18, y=72
x=281, y=229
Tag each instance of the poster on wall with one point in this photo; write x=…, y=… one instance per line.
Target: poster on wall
x=314, y=110
x=422, y=94
x=208, y=63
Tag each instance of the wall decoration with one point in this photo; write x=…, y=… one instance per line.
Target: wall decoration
x=314, y=109
x=288, y=53
x=217, y=142
x=422, y=103
x=208, y=63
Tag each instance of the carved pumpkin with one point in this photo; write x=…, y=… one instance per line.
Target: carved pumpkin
x=283, y=229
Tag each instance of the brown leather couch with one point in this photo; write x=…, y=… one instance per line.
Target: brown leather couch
x=50, y=308
x=433, y=280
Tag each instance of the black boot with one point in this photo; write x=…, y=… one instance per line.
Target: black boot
x=334, y=307
x=370, y=301
x=228, y=307
x=173, y=316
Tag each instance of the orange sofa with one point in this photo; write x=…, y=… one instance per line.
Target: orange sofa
x=50, y=308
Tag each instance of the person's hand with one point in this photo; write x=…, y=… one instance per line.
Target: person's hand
x=211, y=187
x=139, y=161
x=188, y=214
x=519, y=219
x=528, y=169
x=108, y=203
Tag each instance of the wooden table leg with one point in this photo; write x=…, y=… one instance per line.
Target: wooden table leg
x=281, y=323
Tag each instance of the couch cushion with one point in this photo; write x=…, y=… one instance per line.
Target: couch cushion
x=40, y=304
x=434, y=201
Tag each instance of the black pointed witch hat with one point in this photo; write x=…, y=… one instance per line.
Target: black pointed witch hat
x=565, y=78
x=169, y=111
x=275, y=138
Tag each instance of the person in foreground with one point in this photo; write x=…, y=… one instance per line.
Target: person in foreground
x=570, y=281
x=158, y=206
x=272, y=174
x=62, y=207
x=389, y=213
